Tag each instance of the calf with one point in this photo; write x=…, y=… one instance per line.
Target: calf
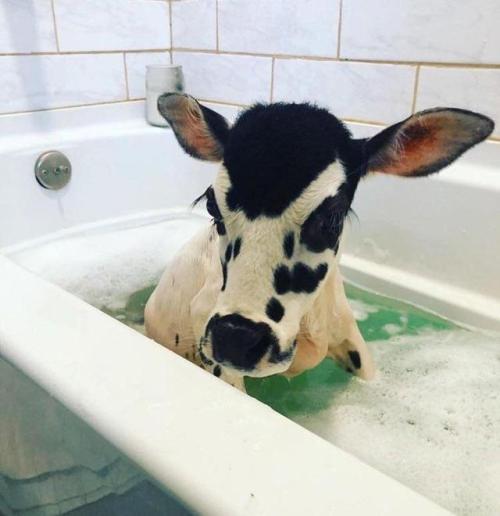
x=259, y=292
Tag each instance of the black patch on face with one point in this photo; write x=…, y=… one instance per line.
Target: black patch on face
x=300, y=279
x=275, y=310
x=323, y=227
x=278, y=356
x=274, y=152
x=176, y=339
x=217, y=371
x=237, y=247
x=221, y=229
x=205, y=359
x=212, y=207
x=282, y=279
x=229, y=252
x=355, y=359
x=224, y=276
x=321, y=271
x=289, y=244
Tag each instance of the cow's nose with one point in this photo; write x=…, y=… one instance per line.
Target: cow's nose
x=238, y=341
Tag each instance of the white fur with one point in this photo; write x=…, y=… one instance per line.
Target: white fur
x=189, y=292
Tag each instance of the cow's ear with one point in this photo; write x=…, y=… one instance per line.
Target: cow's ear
x=425, y=142
x=201, y=132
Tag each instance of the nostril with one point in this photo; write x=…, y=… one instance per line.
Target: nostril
x=239, y=341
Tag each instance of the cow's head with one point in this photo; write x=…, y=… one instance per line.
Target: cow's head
x=287, y=177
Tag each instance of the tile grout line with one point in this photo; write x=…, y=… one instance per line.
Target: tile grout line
x=170, y=21
x=52, y=3
x=72, y=106
x=85, y=52
x=217, y=26
x=126, y=75
x=492, y=139
x=339, y=30
x=342, y=60
x=365, y=122
x=433, y=64
x=415, y=89
x=272, y=80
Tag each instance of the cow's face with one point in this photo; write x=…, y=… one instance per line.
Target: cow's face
x=287, y=179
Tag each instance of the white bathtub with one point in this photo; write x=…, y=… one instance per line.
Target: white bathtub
x=217, y=450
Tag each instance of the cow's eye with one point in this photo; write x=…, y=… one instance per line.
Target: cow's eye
x=323, y=227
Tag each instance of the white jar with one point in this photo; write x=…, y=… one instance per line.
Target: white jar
x=161, y=79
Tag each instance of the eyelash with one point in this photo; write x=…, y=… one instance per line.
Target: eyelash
x=211, y=204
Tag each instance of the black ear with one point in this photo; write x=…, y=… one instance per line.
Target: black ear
x=201, y=132
x=426, y=142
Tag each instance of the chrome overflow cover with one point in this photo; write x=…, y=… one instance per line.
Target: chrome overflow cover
x=53, y=170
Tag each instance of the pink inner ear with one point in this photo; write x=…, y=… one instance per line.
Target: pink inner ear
x=422, y=142
x=186, y=118
x=198, y=136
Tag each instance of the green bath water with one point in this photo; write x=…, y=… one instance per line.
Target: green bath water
x=430, y=418
x=379, y=318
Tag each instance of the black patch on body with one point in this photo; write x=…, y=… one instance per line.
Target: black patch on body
x=300, y=279
x=289, y=244
x=275, y=310
x=229, y=252
x=217, y=371
x=355, y=359
x=237, y=247
x=176, y=339
x=274, y=152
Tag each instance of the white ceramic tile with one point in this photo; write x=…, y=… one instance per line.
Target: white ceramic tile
x=226, y=78
x=112, y=24
x=194, y=24
x=26, y=26
x=294, y=27
x=363, y=91
x=463, y=31
x=136, y=70
x=468, y=88
x=39, y=82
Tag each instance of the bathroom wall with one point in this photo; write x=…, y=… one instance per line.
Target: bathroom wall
x=374, y=61
x=60, y=53
x=368, y=61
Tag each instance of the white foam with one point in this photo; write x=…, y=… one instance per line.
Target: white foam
x=431, y=419
x=362, y=310
x=105, y=266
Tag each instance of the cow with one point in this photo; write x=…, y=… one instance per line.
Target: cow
x=259, y=292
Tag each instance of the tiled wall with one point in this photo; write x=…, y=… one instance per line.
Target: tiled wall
x=59, y=53
x=366, y=60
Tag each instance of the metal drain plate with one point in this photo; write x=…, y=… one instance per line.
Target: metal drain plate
x=53, y=170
